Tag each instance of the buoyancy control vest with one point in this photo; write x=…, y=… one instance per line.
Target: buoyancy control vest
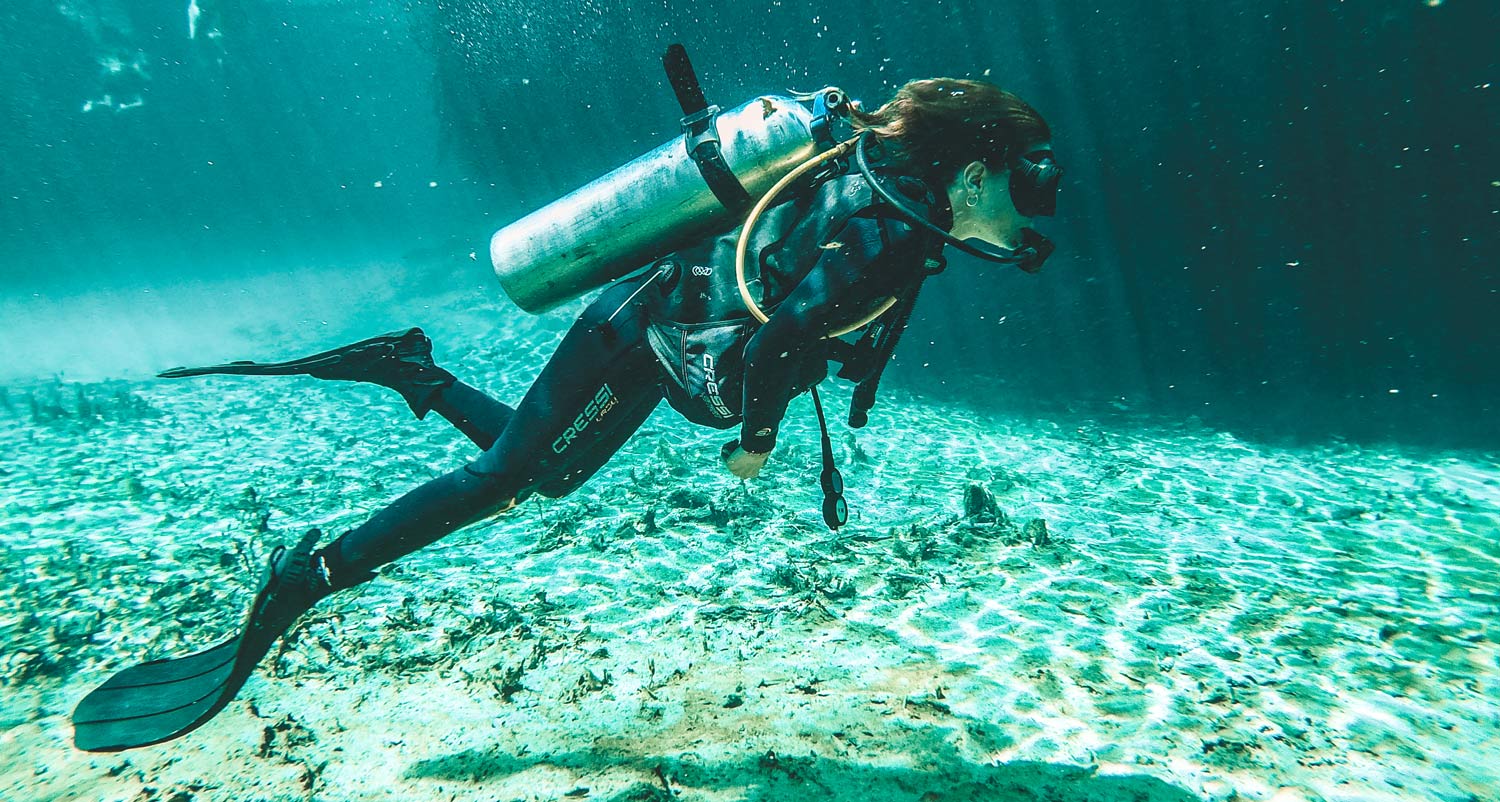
x=700, y=324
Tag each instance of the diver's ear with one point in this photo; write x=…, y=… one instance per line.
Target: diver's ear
x=973, y=176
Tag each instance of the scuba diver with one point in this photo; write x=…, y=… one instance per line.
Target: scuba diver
x=945, y=162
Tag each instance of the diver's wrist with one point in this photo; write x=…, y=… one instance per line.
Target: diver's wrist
x=759, y=442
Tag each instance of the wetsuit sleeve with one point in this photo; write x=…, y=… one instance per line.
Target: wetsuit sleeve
x=872, y=261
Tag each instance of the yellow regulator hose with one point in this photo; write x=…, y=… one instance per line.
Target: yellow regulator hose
x=836, y=152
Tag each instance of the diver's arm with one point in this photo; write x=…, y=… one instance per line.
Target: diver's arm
x=868, y=264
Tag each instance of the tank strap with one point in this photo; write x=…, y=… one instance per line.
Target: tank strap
x=701, y=135
x=887, y=337
x=684, y=81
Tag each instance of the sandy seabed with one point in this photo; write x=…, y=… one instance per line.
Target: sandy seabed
x=1127, y=609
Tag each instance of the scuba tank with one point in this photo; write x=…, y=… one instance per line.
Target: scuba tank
x=695, y=185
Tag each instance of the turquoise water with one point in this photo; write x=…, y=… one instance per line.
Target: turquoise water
x=1207, y=510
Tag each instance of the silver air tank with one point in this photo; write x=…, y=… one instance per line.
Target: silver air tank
x=646, y=209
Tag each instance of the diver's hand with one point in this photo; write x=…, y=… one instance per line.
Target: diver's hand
x=742, y=463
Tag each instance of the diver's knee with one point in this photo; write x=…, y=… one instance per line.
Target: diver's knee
x=495, y=485
x=507, y=504
x=520, y=496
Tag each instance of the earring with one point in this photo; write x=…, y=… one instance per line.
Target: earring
x=972, y=200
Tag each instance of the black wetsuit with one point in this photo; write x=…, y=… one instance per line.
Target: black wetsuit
x=677, y=331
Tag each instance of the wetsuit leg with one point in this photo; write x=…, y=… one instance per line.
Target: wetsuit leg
x=478, y=416
x=599, y=385
x=589, y=461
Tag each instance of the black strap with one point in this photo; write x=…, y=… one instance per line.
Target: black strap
x=701, y=135
x=684, y=81
x=864, y=392
x=703, y=146
x=885, y=345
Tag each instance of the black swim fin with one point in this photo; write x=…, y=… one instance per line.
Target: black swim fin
x=165, y=699
x=400, y=360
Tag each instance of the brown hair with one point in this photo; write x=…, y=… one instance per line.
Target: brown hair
x=943, y=124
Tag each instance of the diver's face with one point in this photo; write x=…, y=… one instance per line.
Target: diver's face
x=999, y=208
x=983, y=208
x=982, y=203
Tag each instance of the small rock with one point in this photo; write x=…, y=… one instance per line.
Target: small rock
x=980, y=504
x=1036, y=532
x=1347, y=513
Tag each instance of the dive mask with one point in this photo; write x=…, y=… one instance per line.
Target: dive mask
x=1034, y=177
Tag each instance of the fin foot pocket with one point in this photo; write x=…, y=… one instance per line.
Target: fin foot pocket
x=165, y=699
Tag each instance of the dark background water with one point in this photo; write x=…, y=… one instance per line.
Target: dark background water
x=1279, y=216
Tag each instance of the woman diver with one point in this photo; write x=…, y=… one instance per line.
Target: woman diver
x=962, y=163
